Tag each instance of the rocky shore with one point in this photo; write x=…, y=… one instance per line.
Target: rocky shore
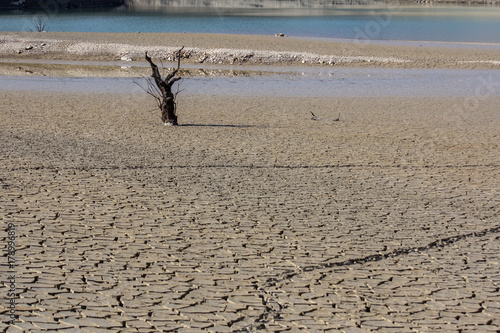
x=240, y=50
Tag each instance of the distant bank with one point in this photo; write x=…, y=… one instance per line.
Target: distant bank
x=34, y=4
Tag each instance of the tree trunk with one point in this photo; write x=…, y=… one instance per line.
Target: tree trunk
x=166, y=101
x=168, y=110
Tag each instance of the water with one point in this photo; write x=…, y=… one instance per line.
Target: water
x=309, y=82
x=419, y=23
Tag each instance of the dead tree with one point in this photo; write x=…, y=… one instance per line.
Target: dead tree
x=163, y=94
x=39, y=24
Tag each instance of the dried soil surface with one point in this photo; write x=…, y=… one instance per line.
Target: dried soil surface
x=251, y=216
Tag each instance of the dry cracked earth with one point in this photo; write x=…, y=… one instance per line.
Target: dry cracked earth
x=268, y=222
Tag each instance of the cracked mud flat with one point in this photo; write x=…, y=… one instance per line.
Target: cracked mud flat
x=251, y=216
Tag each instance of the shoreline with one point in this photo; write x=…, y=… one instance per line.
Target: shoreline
x=242, y=4
x=220, y=49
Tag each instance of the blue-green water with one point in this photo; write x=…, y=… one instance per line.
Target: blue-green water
x=451, y=24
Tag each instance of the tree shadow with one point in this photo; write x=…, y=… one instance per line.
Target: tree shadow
x=218, y=125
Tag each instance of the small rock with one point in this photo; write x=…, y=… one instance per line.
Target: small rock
x=19, y=51
x=43, y=44
x=29, y=47
x=203, y=58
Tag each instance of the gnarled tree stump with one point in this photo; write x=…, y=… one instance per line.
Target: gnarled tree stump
x=164, y=95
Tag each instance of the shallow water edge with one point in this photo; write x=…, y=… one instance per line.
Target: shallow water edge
x=308, y=82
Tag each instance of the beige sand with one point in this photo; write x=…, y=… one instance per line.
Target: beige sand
x=252, y=216
x=241, y=49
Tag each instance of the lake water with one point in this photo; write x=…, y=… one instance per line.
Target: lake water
x=383, y=22
x=293, y=81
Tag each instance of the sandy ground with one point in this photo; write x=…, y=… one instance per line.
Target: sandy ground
x=251, y=216
x=243, y=49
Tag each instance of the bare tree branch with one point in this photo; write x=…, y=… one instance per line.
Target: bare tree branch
x=39, y=24
x=162, y=89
